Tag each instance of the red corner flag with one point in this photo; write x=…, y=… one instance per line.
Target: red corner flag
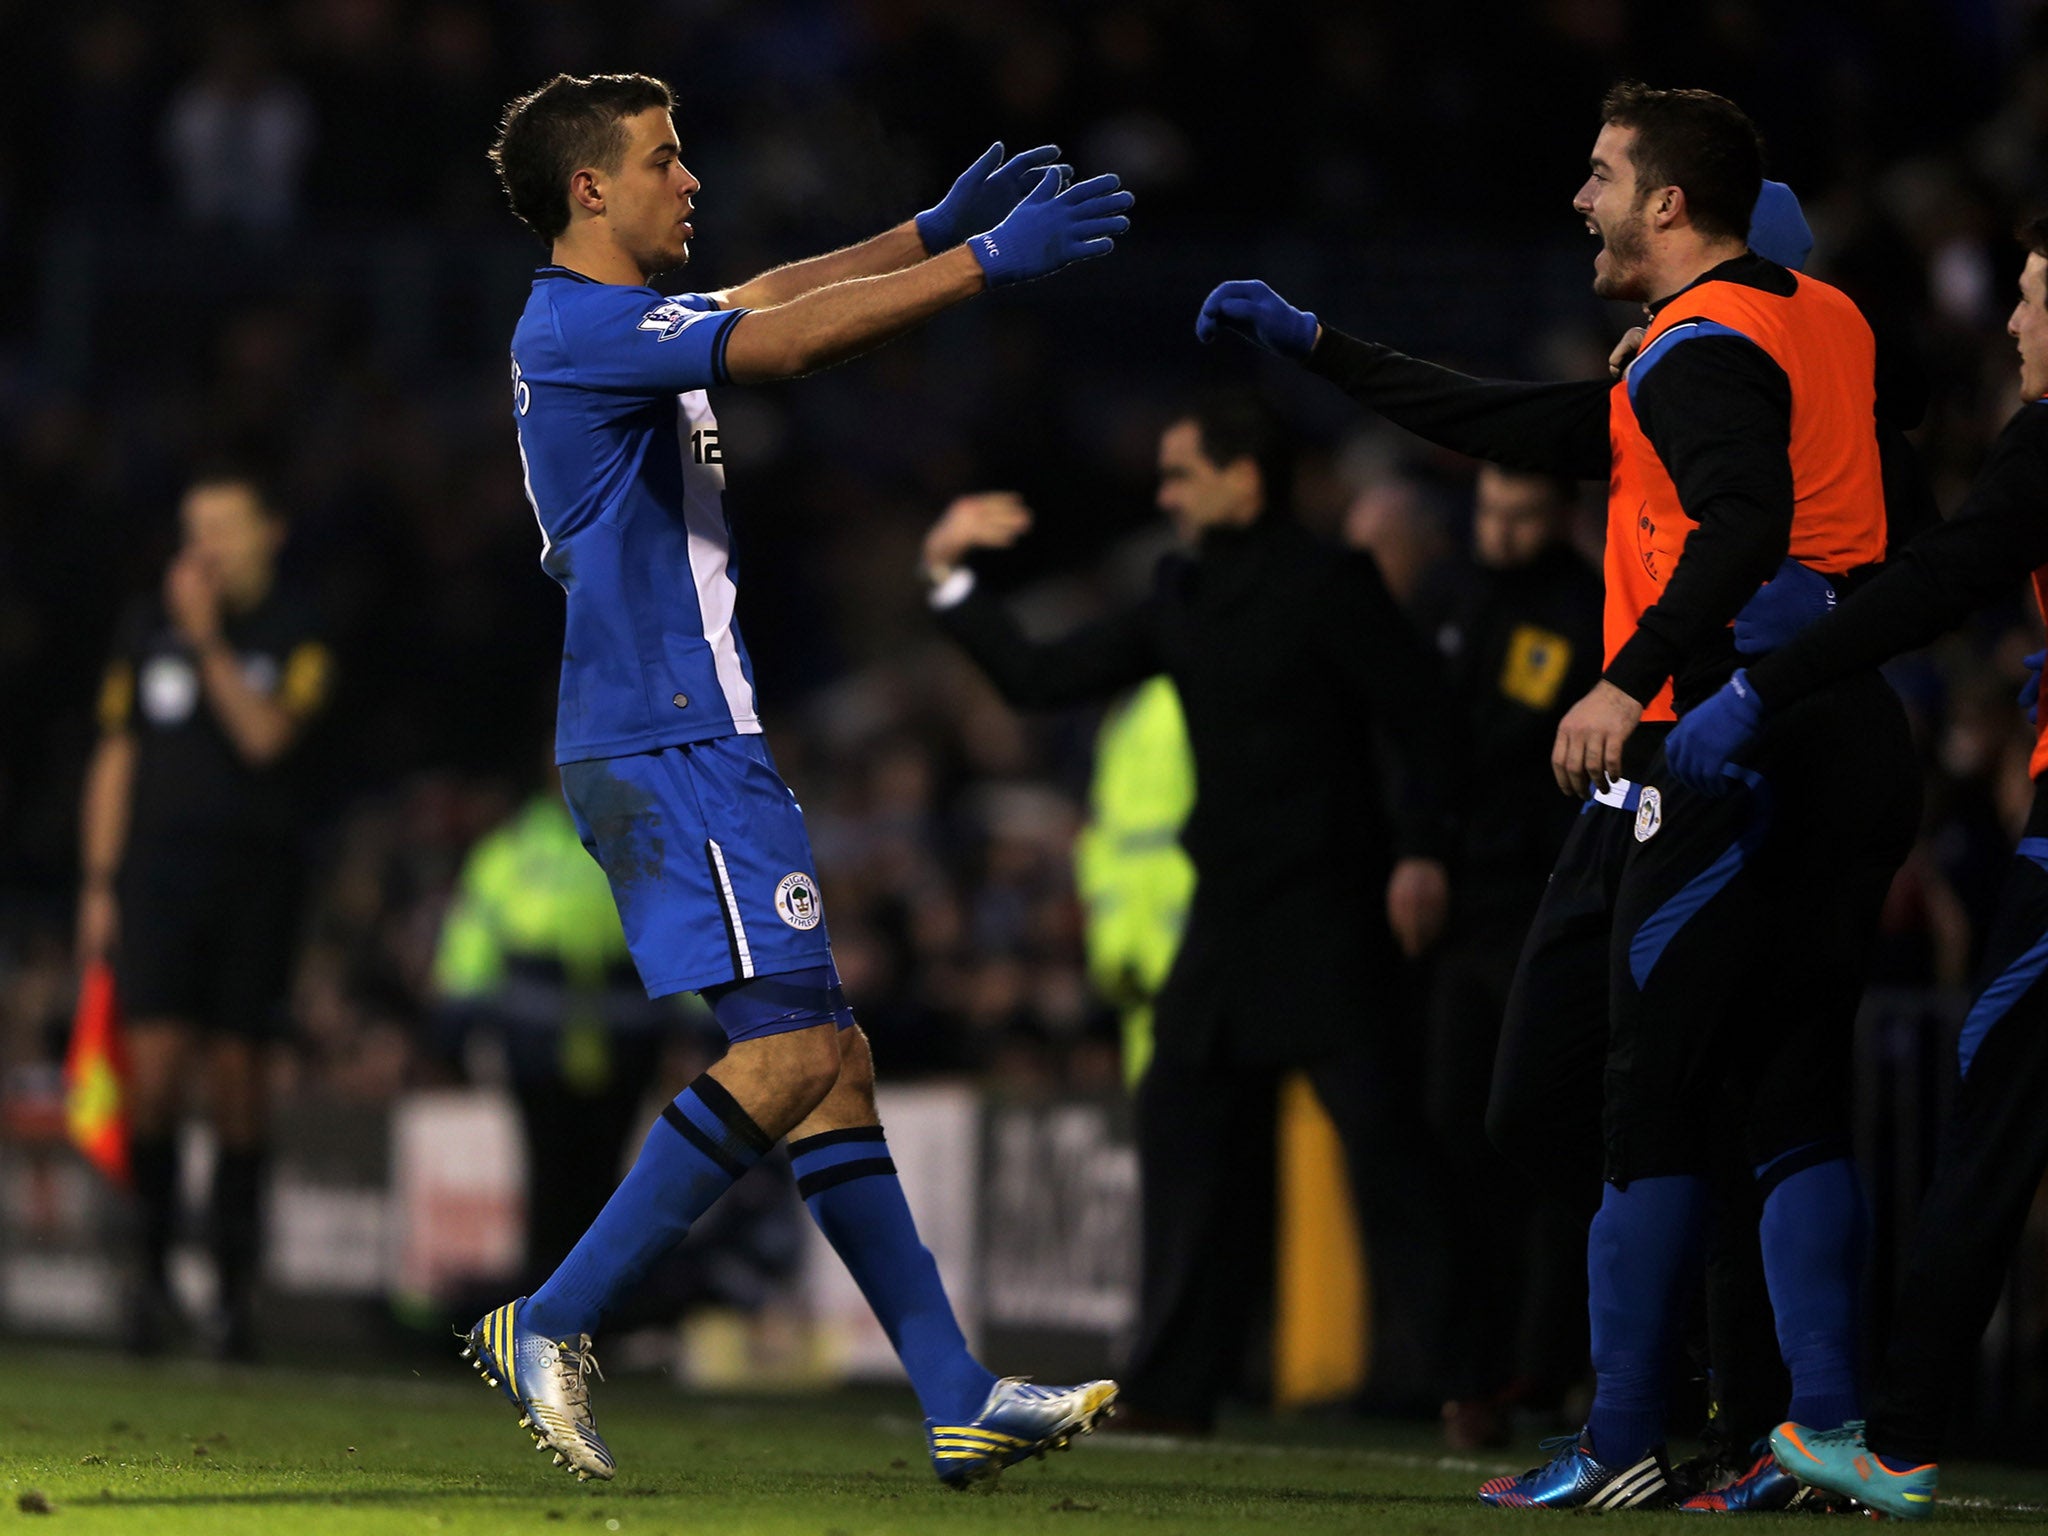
x=96, y=1076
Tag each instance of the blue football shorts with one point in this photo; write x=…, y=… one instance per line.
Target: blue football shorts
x=711, y=868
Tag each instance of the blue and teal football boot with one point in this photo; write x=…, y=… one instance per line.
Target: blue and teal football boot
x=1839, y=1461
x=548, y=1380
x=1017, y=1422
x=1574, y=1480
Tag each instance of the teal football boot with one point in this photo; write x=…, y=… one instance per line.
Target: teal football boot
x=1017, y=1422
x=1839, y=1461
x=548, y=1380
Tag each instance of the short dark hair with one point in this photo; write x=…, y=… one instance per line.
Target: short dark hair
x=1696, y=141
x=548, y=135
x=1238, y=424
x=244, y=475
x=2034, y=235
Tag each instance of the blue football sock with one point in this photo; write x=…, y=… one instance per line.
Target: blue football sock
x=847, y=1180
x=1815, y=1234
x=704, y=1142
x=1643, y=1248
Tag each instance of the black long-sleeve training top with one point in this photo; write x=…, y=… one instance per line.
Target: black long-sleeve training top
x=1718, y=413
x=1996, y=539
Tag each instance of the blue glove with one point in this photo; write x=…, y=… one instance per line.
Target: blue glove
x=1782, y=607
x=1258, y=314
x=1705, y=739
x=986, y=191
x=2030, y=695
x=1051, y=228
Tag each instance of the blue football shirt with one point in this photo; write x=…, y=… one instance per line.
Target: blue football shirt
x=626, y=475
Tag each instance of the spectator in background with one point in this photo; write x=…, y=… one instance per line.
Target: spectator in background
x=191, y=866
x=1518, y=628
x=237, y=136
x=1308, y=706
x=1396, y=521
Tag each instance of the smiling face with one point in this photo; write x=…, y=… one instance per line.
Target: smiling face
x=2028, y=326
x=1616, y=210
x=648, y=198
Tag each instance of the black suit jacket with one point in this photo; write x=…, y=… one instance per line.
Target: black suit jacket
x=1321, y=742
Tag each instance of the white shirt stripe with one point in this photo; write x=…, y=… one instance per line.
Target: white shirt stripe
x=704, y=517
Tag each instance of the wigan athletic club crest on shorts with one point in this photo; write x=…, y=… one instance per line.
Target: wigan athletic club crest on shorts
x=796, y=901
x=1649, y=813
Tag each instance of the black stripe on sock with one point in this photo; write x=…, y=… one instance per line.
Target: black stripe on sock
x=696, y=1138
x=825, y=1139
x=727, y=1108
x=842, y=1173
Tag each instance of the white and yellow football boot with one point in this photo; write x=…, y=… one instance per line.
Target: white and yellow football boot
x=1017, y=1422
x=548, y=1380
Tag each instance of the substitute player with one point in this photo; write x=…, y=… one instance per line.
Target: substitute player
x=1740, y=438
x=1994, y=1146
x=659, y=739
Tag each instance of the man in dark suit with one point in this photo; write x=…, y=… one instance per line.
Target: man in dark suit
x=1317, y=835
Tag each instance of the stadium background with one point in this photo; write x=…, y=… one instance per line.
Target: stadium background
x=332, y=290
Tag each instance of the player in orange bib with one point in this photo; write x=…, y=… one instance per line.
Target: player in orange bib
x=1740, y=444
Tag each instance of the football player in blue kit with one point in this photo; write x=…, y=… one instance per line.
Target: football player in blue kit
x=658, y=734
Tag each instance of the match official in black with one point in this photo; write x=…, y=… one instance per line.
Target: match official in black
x=1320, y=824
x=191, y=866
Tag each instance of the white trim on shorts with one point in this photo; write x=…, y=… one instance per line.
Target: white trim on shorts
x=734, y=927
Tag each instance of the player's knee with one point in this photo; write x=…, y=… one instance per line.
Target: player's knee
x=810, y=1065
x=856, y=1061
x=856, y=1068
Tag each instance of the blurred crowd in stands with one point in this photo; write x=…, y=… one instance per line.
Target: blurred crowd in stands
x=271, y=230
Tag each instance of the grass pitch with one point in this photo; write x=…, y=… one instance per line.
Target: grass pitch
x=93, y=1444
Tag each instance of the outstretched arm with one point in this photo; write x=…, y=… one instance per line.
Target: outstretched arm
x=1048, y=230
x=1998, y=535
x=829, y=325
x=890, y=251
x=1996, y=538
x=1558, y=429
x=1090, y=665
x=980, y=199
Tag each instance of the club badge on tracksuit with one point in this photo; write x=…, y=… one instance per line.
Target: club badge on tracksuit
x=1649, y=814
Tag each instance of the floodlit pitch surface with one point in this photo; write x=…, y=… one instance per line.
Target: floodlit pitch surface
x=104, y=1446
